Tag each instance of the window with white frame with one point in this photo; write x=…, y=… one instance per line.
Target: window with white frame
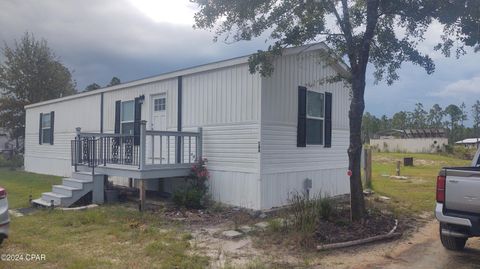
x=315, y=118
x=159, y=104
x=127, y=117
x=46, y=128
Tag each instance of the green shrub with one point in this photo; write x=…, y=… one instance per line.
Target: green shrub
x=326, y=208
x=190, y=198
x=275, y=225
x=307, y=212
x=15, y=161
x=195, y=195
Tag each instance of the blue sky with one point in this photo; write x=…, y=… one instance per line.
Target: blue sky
x=132, y=39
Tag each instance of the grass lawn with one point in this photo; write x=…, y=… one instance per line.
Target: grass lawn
x=20, y=185
x=105, y=237
x=417, y=193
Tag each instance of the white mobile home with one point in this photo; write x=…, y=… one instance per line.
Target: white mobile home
x=262, y=136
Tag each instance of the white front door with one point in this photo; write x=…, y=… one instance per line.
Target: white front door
x=157, y=149
x=158, y=112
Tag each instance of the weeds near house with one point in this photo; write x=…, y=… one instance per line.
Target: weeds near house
x=307, y=212
x=278, y=225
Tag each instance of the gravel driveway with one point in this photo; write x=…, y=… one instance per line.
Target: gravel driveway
x=426, y=251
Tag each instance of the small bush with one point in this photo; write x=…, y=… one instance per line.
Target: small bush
x=16, y=161
x=308, y=212
x=195, y=195
x=275, y=225
x=190, y=198
x=326, y=208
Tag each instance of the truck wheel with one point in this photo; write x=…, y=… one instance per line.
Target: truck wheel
x=452, y=243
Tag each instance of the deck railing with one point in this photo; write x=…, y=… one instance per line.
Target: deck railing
x=148, y=150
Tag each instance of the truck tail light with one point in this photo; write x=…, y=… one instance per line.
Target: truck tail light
x=3, y=193
x=441, y=189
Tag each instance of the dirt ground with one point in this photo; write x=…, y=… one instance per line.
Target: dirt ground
x=420, y=248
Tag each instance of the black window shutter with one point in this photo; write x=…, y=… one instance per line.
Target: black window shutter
x=302, y=117
x=118, y=104
x=52, y=126
x=328, y=119
x=40, y=130
x=137, y=118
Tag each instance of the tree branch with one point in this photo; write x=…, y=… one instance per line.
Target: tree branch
x=372, y=20
x=347, y=32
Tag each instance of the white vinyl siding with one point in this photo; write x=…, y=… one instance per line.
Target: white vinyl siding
x=283, y=165
x=55, y=159
x=222, y=96
x=167, y=87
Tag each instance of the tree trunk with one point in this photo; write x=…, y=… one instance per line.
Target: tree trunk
x=357, y=107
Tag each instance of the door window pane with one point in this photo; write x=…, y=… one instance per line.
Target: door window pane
x=159, y=104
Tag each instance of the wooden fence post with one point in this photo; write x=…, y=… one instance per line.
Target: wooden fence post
x=142, y=194
x=398, y=168
x=368, y=167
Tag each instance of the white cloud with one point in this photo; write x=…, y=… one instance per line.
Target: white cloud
x=175, y=12
x=461, y=88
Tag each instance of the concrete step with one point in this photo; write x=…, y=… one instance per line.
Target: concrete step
x=64, y=190
x=41, y=202
x=57, y=198
x=76, y=183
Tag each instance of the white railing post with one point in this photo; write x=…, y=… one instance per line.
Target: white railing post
x=78, y=147
x=143, y=138
x=199, y=143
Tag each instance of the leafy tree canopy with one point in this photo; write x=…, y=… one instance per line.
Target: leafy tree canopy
x=114, y=81
x=382, y=33
x=92, y=87
x=29, y=74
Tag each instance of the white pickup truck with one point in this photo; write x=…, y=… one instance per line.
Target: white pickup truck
x=458, y=204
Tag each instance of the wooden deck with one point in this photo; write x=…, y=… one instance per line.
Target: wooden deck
x=159, y=171
x=151, y=154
